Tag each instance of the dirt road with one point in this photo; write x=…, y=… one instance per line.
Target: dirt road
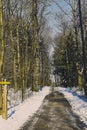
x=54, y=114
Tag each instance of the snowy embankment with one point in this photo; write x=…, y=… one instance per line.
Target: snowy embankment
x=77, y=100
x=24, y=111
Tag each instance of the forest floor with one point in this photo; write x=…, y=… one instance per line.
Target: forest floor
x=55, y=114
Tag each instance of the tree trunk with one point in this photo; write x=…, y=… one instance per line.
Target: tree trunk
x=23, y=81
x=27, y=65
x=35, y=45
x=13, y=50
x=18, y=57
x=83, y=48
x=2, y=49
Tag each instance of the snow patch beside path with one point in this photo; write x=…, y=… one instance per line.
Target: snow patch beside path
x=77, y=100
x=24, y=111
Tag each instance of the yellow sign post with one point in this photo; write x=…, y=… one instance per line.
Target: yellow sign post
x=4, y=99
x=4, y=83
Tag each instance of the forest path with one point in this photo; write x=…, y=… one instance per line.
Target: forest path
x=54, y=114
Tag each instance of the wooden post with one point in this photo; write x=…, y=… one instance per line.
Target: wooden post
x=4, y=99
x=4, y=106
x=0, y=99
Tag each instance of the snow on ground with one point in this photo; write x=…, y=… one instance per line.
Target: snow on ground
x=24, y=111
x=77, y=100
